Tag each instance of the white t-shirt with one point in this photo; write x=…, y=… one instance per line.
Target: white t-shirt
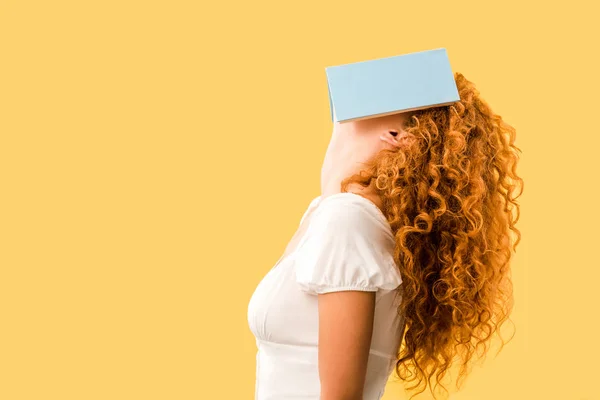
x=348, y=245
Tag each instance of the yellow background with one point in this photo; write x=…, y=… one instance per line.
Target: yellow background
x=156, y=156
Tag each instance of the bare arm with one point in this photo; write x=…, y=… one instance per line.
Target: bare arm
x=345, y=331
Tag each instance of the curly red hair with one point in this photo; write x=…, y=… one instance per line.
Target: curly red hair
x=449, y=196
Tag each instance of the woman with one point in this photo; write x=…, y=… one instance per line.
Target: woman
x=401, y=263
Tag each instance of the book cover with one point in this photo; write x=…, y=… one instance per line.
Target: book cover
x=373, y=88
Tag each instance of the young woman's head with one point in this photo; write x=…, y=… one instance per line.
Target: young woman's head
x=448, y=184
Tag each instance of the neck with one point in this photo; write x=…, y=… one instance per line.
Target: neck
x=342, y=159
x=346, y=154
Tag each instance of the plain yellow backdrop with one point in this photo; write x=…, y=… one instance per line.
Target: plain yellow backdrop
x=156, y=156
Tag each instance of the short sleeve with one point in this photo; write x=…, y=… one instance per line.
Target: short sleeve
x=347, y=246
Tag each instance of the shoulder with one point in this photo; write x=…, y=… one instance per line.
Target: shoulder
x=348, y=246
x=351, y=212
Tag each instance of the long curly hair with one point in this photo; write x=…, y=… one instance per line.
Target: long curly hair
x=449, y=196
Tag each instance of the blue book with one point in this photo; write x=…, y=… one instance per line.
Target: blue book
x=390, y=85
